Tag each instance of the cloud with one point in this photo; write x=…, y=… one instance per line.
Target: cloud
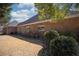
x=24, y=12
x=33, y=10
x=26, y=5
x=20, y=15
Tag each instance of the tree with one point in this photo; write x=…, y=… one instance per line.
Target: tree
x=5, y=9
x=52, y=10
x=77, y=6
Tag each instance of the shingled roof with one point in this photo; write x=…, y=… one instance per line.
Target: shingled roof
x=35, y=18
x=30, y=20
x=12, y=24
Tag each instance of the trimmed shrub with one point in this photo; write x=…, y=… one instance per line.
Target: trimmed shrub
x=63, y=46
x=49, y=35
x=69, y=34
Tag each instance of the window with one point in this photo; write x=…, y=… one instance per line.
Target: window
x=41, y=28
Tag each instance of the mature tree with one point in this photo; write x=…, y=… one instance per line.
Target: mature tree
x=54, y=11
x=5, y=12
x=77, y=6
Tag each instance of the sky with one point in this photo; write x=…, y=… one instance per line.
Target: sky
x=22, y=11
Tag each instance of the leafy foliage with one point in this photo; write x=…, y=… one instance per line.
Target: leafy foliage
x=51, y=10
x=77, y=6
x=5, y=12
x=49, y=35
x=70, y=34
x=63, y=46
x=54, y=11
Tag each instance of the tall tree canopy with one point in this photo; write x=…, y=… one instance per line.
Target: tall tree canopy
x=5, y=12
x=54, y=11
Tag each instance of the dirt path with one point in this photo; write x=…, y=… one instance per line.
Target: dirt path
x=12, y=46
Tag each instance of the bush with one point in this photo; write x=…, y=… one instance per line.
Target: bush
x=49, y=35
x=69, y=34
x=63, y=46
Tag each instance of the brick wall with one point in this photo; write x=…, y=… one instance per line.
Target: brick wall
x=69, y=24
x=10, y=30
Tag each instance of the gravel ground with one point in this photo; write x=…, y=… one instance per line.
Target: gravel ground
x=12, y=46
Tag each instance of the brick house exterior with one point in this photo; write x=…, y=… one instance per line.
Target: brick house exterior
x=10, y=28
x=70, y=23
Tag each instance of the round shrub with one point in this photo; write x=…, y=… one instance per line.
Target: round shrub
x=49, y=35
x=63, y=46
x=69, y=34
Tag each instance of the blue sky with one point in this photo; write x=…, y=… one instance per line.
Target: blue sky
x=22, y=11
